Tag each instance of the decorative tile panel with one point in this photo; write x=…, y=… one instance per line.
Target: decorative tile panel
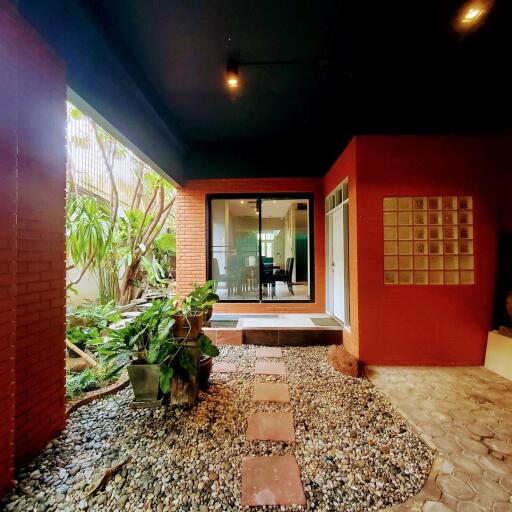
x=428, y=240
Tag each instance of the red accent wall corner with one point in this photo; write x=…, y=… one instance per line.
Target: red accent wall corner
x=32, y=243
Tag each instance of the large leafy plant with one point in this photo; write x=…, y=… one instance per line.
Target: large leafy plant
x=148, y=339
x=200, y=299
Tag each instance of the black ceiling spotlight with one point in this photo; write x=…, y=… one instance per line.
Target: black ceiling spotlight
x=232, y=76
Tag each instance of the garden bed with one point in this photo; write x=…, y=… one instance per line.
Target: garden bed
x=355, y=452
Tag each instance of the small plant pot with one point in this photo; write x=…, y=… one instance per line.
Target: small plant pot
x=205, y=370
x=209, y=314
x=185, y=386
x=188, y=326
x=145, y=381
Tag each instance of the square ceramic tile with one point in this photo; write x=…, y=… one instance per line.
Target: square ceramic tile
x=271, y=392
x=271, y=481
x=269, y=352
x=229, y=336
x=270, y=368
x=222, y=367
x=270, y=426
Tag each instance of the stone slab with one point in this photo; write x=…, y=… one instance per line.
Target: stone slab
x=271, y=426
x=271, y=392
x=270, y=368
x=222, y=367
x=275, y=352
x=271, y=480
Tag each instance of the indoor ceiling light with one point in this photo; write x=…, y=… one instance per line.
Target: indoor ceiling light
x=472, y=14
x=232, y=76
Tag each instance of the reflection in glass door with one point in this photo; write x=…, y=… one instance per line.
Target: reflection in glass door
x=260, y=248
x=285, y=249
x=234, y=245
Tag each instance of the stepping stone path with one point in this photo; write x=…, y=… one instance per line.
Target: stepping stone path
x=273, y=480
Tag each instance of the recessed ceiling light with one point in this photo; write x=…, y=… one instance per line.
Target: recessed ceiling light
x=242, y=202
x=232, y=76
x=472, y=14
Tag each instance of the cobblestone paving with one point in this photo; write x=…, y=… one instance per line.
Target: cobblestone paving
x=466, y=415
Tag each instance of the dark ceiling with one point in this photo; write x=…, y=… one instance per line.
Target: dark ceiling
x=329, y=69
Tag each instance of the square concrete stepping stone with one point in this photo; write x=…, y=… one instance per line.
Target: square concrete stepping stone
x=269, y=352
x=271, y=392
x=271, y=480
x=271, y=426
x=270, y=368
x=222, y=367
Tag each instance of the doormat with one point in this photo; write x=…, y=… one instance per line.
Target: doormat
x=222, y=323
x=325, y=322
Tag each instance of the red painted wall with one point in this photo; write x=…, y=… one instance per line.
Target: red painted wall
x=191, y=236
x=32, y=250
x=345, y=168
x=424, y=325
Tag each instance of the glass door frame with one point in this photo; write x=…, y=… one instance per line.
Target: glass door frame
x=309, y=196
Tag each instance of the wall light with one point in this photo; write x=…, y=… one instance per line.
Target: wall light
x=472, y=14
x=232, y=76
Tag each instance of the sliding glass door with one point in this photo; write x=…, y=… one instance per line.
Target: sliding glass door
x=259, y=248
x=234, y=248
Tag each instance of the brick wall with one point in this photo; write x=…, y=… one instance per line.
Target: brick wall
x=7, y=258
x=191, y=236
x=40, y=311
x=32, y=245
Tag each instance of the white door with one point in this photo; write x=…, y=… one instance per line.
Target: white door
x=337, y=265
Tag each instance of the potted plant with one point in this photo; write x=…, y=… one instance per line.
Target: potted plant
x=158, y=363
x=147, y=348
x=195, y=309
x=188, y=319
x=204, y=297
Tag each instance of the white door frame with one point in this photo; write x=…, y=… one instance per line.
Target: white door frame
x=344, y=257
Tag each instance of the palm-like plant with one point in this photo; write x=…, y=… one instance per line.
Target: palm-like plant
x=88, y=233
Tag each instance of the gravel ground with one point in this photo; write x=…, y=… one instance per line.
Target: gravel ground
x=355, y=452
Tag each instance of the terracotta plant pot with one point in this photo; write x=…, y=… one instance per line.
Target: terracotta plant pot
x=209, y=314
x=188, y=327
x=205, y=370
